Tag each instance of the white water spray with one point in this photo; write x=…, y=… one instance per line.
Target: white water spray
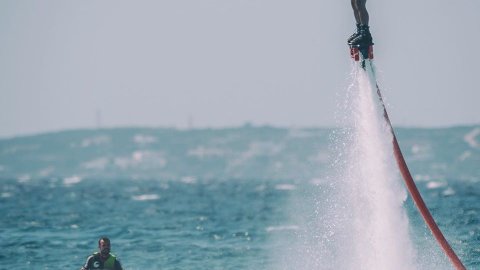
x=379, y=230
x=359, y=221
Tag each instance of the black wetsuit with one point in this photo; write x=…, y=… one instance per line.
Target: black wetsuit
x=95, y=262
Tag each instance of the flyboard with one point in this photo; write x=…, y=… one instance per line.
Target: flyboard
x=363, y=54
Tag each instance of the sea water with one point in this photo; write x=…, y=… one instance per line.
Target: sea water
x=240, y=198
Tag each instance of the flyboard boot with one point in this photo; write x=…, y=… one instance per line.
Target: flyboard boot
x=361, y=45
x=354, y=35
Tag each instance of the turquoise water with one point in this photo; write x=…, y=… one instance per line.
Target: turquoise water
x=240, y=198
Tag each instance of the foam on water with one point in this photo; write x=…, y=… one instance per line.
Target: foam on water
x=146, y=197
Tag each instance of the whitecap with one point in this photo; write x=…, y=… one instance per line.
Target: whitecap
x=6, y=195
x=138, y=156
x=282, y=228
x=285, y=187
x=420, y=151
x=24, y=178
x=470, y=138
x=465, y=155
x=46, y=171
x=146, y=159
x=146, y=197
x=72, y=180
x=203, y=152
x=448, y=192
x=300, y=133
x=256, y=149
x=94, y=141
x=435, y=184
x=188, y=180
x=421, y=177
x=143, y=139
x=415, y=149
x=96, y=164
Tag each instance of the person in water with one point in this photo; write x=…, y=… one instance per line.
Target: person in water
x=103, y=259
x=362, y=36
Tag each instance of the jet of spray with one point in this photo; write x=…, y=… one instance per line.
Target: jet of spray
x=359, y=219
x=374, y=196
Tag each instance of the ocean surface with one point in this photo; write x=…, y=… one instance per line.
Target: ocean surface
x=235, y=198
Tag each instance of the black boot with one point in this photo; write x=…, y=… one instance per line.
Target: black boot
x=364, y=38
x=354, y=35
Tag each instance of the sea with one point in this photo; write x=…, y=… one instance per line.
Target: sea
x=234, y=198
x=249, y=197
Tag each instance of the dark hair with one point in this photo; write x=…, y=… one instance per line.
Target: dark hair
x=105, y=239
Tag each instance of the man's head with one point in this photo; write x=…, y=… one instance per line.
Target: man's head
x=104, y=246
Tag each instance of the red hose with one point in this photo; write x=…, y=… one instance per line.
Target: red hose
x=417, y=198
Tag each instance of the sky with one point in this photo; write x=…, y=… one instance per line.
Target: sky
x=223, y=63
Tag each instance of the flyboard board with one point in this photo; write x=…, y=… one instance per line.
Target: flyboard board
x=363, y=54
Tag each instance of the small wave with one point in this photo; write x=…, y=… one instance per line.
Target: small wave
x=256, y=149
x=285, y=187
x=145, y=159
x=96, y=164
x=282, y=228
x=435, y=184
x=188, y=180
x=420, y=151
x=24, y=178
x=300, y=133
x=94, y=141
x=204, y=152
x=6, y=195
x=46, y=171
x=465, y=155
x=146, y=197
x=143, y=139
x=422, y=178
x=72, y=180
x=470, y=138
x=448, y=192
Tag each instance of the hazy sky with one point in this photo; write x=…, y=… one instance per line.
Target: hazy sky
x=215, y=63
